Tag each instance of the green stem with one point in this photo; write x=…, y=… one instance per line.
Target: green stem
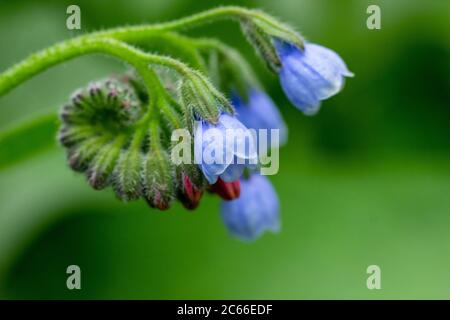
x=99, y=42
x=162, y=102
x=173, y=44
x=85, y=45
x=135, y=33
x=66, y=50
x=239, y=64
x=153, y=128
x=81, y=46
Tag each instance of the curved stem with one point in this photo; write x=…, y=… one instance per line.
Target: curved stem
x=162, y=102
x=96, y=42
x=86, y=45
x=93, y=42
x=70, y=49
x=58, y=53
x=173, y=44
x=101, y=42
x=135, y=33
x=240, y=65
x=81, y=46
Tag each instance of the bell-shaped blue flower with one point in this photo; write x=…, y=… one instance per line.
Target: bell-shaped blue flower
x=224, y=149
x=255, y=211
x=260, y=112
x=310, y=75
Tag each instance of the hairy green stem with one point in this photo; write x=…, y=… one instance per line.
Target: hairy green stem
x=66, y=50
x=173, y=44
x=85, y=45
x=135, y=33
x=98, y=42
x=240, y=65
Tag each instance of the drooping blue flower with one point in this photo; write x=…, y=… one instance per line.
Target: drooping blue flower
x=310, y=75
x=223, y=149
x=260, y=112
x=255, y=211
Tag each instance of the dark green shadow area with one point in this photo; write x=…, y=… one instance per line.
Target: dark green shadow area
x=27, y=140
x=334, y=226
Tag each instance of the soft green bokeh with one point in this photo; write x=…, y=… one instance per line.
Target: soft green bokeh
x=366, y=181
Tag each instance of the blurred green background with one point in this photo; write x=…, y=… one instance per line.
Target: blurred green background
x=366, y=181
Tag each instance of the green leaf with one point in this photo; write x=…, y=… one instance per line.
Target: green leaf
x=27, y=139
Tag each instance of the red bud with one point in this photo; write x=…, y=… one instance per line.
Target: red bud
x=190, y=194
x=227, y=190
x=158, y=201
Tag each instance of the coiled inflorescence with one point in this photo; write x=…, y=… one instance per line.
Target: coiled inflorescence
x=119, y=131
x=104, y=138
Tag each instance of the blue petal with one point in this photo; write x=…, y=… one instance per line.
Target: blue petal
x=326, y=65
x=212, y=178
x=298, y=89
x=233, y=172
x=260, y=113
x=328, y=54
x=254, y=212
x=205, y=138
x=243, y=145
x=310, y=75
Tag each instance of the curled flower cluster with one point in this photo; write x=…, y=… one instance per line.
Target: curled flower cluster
x=119, y=131
x=102, y=133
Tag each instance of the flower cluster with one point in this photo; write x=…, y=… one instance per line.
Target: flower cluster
x=119, y=131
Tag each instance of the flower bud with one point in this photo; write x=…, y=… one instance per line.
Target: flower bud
x=80, y=155
x=108, y=103
x=190, y=185
x=158, y=180
x=260, y=30
x=132, y=79
x=102, y=166
x=95, y=127
x=206, y=102
x=127, y=175
x=227, y=190
x=310, y=75
x=262, y=44
x=255, y=212
x=69, y=136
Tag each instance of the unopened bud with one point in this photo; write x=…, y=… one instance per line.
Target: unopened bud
x=203, y=99
x=190, y=185
x=127, y=175
x=158, y=180
x=80, y=155
x=260, y=30
x=102, y=166
x=227, y=190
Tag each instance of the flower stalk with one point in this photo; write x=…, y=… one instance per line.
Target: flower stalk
x=118, y=131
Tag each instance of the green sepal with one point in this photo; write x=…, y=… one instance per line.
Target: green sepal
x=127, y=175
x=262, y=43
x=197, y=96
x=158, y=180
x=80, y=155
x=276, y=29
x=68, y=136
x=190, y=185
x=101, y=167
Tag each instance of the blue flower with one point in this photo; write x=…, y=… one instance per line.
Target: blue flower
x=311, y=75
x=255, y=211
x=260, y=113
x=223, y=149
